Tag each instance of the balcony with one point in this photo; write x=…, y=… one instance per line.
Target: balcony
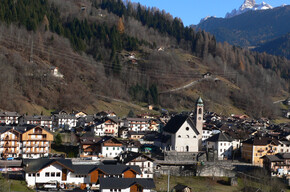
x=11, y=139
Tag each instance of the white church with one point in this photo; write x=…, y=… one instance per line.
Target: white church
x=183, y=133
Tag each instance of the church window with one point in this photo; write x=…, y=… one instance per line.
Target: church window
x=199, y=111
x=179, y=135
x=194, y=136
x=187, y=136
x=187, y=128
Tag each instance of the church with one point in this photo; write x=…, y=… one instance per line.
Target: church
x=183, y=133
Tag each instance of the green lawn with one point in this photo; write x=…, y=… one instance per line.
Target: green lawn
x=16, y=186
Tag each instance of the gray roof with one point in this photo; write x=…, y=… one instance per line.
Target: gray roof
x=35, y=165
x=123, y=183
x=220, y=137
x=118, y=169
x=8, y=114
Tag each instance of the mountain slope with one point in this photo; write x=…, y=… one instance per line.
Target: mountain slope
x=127, y=52
x=250, y=28
x=279, y=46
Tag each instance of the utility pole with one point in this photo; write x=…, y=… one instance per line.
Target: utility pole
x=168, y=182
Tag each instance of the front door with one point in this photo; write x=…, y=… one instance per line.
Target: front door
x=64, y=174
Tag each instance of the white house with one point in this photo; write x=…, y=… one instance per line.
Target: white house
x=145, y=163
x=9, y=117
x=60, y=173
x=64, y=121
x=222, y=143
x=137, y=124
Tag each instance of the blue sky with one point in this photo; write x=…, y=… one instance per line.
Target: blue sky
x=191, y=11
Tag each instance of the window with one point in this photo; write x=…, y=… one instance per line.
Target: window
x=38, y=174
x=187, y=128
x=46, y=174
x=148, y=164
x=113, y=148
x=187, y=136
x=58, y=174
x=199, y=111
x=179, y=136
x=194, y=136
x=107, y=148
x=29, y=175
x=52, y=174
x=33, y=174
x=221, y=150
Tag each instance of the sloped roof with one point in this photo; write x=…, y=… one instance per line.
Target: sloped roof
x=123, y=183
x=35, y=165
x=220, y=137
x=117, y=169
x=176, y=122
x=180, y=187
x=129, y=156
x=261, y=141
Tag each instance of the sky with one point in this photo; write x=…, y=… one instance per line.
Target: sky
x=192, y=11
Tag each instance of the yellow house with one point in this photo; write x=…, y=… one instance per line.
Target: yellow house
x=255, y=148
x=36, y=142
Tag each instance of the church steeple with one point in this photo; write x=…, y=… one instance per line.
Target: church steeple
x=199, y=119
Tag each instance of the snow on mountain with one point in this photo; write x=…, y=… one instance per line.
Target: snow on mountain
x=247, y=6
x=206, y=18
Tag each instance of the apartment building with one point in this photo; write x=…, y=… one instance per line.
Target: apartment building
x=25, y=141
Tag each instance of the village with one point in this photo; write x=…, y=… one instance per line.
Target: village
x=103, y=152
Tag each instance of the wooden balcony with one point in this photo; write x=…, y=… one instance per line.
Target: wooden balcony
x=11, y=139
x=11, y=152
x=35, y=152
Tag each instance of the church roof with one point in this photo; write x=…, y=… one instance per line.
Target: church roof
x=176, y=122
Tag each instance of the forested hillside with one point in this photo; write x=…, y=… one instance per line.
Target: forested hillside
x=279, y=46
x=92, y=42
x=250, y=28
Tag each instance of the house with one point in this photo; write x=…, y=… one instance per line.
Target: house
x=44, y=121
x=9, y=117
x=183, y=133
x=62, y=173
x=278, y=164
x=222, y=143
x=181, y=188
x=80, y=114
x=284, y=146
x=207, y=75
x=25, y=141
x=64, y=121
x=106, y=114
x=254, y=148
x=110, y=147
x=36, y=142
x=145, y=162
x=88, y=145
x=135, y=135
x=55, y=72
x=137, y=124
x=126, y=184
x=206, y=133
x=10, y=142
x=107, y=126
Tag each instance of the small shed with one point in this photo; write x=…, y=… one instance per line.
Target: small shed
x=181, y=188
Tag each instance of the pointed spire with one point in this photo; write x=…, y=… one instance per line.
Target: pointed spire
x=199, y=102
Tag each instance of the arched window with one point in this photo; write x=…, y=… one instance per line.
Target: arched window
x=187, y=128
x=199, y=111
x=179, y=135
x=194, y=136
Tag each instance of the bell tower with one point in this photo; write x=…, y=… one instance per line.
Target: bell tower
x=199, y=120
